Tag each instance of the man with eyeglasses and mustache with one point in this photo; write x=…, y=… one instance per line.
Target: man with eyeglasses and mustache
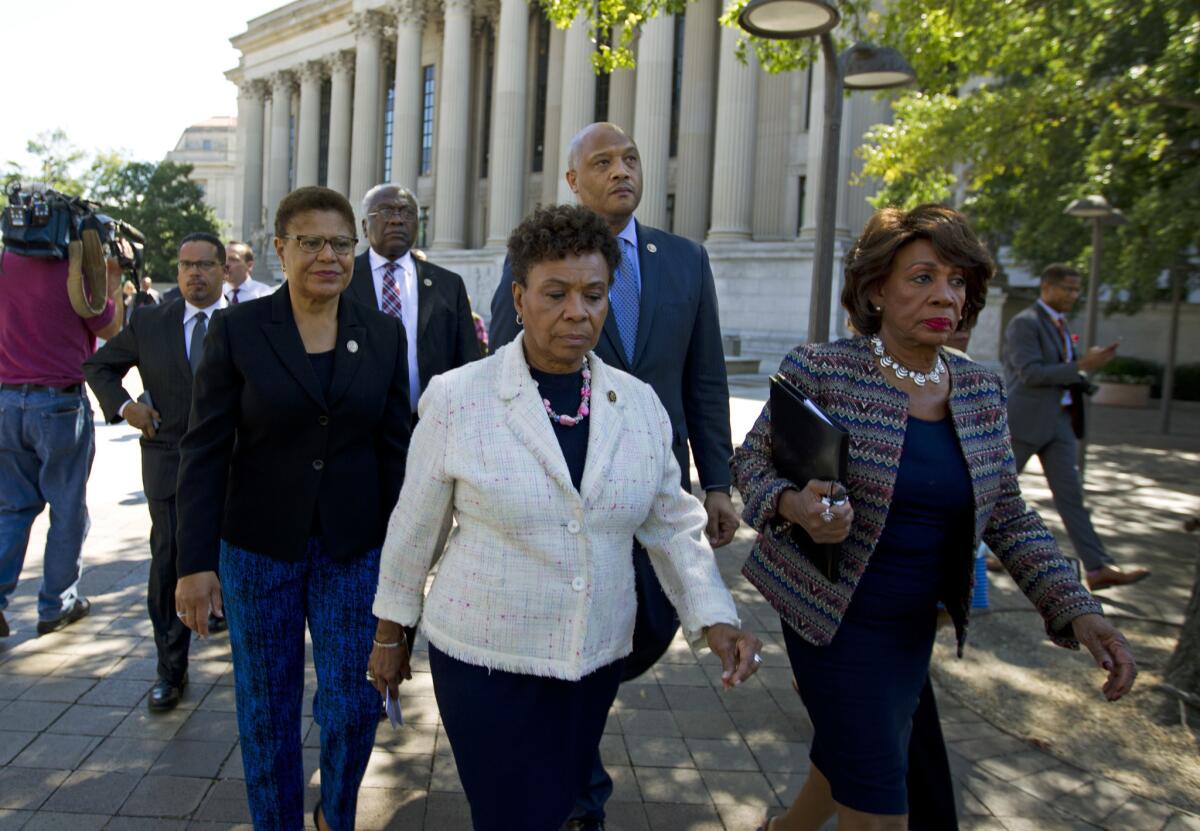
x=166, y=344
x=430, y=301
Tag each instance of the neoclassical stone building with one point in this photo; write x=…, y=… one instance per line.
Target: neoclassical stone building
x=209, y=148
x=471, y=103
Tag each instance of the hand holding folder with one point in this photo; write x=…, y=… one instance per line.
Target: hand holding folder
x=807, y=445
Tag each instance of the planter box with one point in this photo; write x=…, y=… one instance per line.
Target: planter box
x=1111, y=394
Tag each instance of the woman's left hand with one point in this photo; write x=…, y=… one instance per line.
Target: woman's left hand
x=738, y=651
x=1111, y=651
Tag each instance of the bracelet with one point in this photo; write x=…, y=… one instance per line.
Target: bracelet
x=395, y=645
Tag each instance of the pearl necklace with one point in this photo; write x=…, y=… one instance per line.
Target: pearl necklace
x=919, y=378
x=585, y=400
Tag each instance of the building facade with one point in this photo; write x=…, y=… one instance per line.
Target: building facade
x=210, y=148
x=471, y=104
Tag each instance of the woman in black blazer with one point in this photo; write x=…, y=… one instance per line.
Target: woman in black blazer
x=302, y=396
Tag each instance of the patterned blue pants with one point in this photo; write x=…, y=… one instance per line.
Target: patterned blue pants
x=267, y=602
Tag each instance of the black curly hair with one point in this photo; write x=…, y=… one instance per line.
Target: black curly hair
x=558, y=232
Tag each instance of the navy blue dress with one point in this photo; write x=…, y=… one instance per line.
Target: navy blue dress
x=862, y=689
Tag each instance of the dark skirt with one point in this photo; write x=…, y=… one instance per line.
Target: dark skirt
x=523, y=744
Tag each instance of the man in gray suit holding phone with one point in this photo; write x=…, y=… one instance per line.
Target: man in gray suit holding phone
x=1046, y=380
x=166, y=344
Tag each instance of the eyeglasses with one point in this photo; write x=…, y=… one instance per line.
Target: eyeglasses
x=314, y=244
x=388, y=213
x=203, y=265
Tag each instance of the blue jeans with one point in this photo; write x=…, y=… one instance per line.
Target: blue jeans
x=266, y=603
x=47, y=443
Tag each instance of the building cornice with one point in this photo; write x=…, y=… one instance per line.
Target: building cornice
x=289, y=21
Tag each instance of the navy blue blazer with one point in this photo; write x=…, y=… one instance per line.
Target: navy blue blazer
x=260, y=423
x=678, y=351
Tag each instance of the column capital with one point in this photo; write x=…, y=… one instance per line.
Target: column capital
x=370, y=23
x=314, y=70
x=283, y=81
x=457, y=5
x=341, y=61
x=253, y=88
x=409, y=12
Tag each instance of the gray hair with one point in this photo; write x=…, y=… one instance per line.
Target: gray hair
x=577, y=140
x=401, y=191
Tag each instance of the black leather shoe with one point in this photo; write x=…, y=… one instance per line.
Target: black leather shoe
x=4, y=631
x=164, y=695
x=584, y=824
x=78, y=611
x=216, y=624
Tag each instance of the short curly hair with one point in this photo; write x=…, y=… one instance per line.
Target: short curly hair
x=869, y=261
x=312, y=198
x=558, y=232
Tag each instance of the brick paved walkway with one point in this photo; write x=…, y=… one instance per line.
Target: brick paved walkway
x=79, y=750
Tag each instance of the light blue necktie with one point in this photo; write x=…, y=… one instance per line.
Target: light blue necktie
x=624, y=300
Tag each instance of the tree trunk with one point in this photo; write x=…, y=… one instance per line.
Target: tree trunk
x=1183, y=670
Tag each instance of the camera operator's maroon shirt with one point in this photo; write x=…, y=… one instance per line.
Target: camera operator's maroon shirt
x=42, y=340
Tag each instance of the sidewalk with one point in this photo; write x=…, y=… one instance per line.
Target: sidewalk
x=79, y=750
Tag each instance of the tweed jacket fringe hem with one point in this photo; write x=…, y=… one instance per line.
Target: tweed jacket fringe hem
x=843, y=378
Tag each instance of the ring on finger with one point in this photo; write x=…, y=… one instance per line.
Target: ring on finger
x=757, y=659
x=827, y=515
x=370, y=676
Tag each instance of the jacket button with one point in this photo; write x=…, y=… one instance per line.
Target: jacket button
x=577, y=584
x=318, y=464
x=323, y=420
x=573, y=527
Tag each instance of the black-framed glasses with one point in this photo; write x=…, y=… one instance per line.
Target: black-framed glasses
x=314, y=243
x=387, y=212
x=203, y=265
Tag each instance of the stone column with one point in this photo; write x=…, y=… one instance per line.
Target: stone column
x=506, y=168
x=308, y=136
x=771, y=158
x=622, y=86
x=367, y=131
x=406, y=111
x=453, y=154
x=693, y=174
x=652, y=115
x=282, y=85
x=733, y=145
x=340, y=105
x=250, y=123
x=578, y=94
x=553, y=162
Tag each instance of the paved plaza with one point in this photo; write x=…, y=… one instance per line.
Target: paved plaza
x=79, y=750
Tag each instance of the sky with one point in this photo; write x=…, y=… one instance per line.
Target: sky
x=126, y=76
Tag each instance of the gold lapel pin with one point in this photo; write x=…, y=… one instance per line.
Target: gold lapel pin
x=352, y=346
x=612, y=396
x=651, y=247
x=428, y=282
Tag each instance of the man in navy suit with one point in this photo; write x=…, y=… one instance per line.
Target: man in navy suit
x=662, y=327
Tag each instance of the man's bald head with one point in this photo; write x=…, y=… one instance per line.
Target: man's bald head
x=604, y=171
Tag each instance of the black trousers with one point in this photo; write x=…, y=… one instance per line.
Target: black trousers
x=171, y=637
x=930, y=787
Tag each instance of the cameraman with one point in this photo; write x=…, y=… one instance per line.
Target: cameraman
x=47, y=438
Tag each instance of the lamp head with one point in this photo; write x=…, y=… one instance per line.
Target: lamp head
x=875, y=67
x=788, y=19
x=1090, y=207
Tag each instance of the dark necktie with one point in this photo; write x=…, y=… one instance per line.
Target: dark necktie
x=196, y=346
x=1063, y=336
x=624, y=300
x=233, y=298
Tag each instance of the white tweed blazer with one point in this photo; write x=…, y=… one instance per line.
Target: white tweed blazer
x=537, y=577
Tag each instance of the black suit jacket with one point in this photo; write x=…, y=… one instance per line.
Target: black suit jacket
x=261, y=424
x=678, y=351
x=445, y=329
x=153, y=342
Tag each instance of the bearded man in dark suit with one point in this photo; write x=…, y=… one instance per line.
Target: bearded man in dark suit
x=166, y=344
x=663, y=328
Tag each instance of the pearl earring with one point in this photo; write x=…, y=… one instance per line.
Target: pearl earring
x=519, y=321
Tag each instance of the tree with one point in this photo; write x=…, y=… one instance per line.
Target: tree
x=56, y=163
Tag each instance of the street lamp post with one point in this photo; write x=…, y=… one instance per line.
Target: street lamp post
x=859, y=67
x=1096, y=209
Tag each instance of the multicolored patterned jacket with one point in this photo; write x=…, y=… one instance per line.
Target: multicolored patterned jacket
x=844, y=379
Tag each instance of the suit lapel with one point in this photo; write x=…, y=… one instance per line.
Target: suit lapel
x=1049, y=326
x=426, y=297
x=284, y=337
x=527, y=416
x=604, y=433
x=347, y=360
x=611, y=334
x=648, y=264
x=362, y=283
x=176, y=343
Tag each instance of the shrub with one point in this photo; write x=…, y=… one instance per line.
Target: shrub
x=1129, y=370
x=1187, y=382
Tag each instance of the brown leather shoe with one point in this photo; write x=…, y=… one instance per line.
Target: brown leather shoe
x=1108, y=576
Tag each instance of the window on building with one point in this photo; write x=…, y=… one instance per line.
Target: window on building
x=676, y=84
x=426, y=121
x=603, y=86
x=323, y=142
x=800, y=208
x=206, y=144
x=291, y=152
x=808, y=79
x=422, y=226
x=539, y=106
x=485, y=145
x=389, y=123
x=671, y=212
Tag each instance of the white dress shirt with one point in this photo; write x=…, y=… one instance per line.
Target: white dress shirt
x=250, y=289
x=406, y=280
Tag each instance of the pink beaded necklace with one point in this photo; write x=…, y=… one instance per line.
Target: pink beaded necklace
x=585, y=400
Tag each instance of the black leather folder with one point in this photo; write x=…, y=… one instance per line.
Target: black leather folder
x=805, y=445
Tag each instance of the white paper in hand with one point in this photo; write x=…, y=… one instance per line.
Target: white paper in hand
x=391, y=706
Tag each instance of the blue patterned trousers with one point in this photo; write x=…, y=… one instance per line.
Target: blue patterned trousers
x=267, y=603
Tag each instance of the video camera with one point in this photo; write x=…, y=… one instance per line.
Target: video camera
x=41, y=222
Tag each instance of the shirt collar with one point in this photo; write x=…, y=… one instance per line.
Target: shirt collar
x=1054, y=313
x=378, y=261
x=629, y=233
x=190, y=311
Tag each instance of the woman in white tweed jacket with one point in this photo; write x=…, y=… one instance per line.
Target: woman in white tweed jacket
x=533, y=605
